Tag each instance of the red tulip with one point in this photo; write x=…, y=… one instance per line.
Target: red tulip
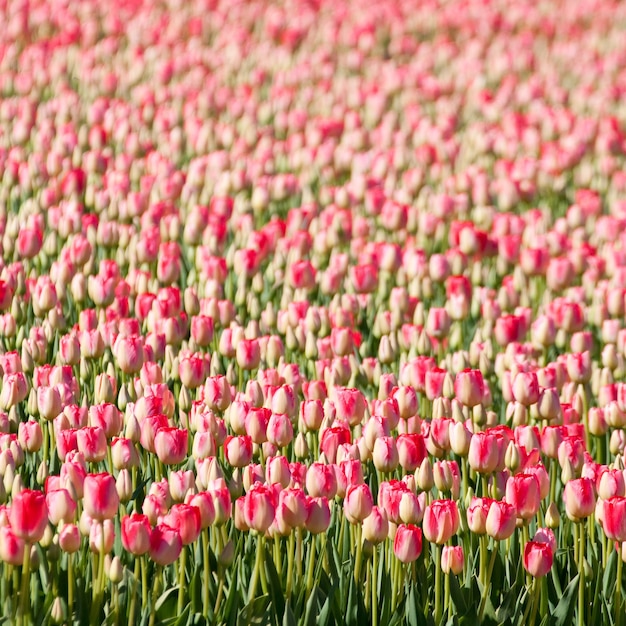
x=12, y=546
x=318, y=515
x=28, y=515
x=100, y=497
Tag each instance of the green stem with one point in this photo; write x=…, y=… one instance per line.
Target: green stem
x=483, y=600
x=446, y=596
x=133, y=599
x=257, y=569
x=359, y=555
x=311, y=568
x=155, y=594
x=24, y=592
x=618, y=591
x=537, y=583
x=182, y=566
x=581, y=570
x=375, y=587
x=290, y=552
x=70, y=586
x=144, y=583
x=438, y=550
x=207, y=571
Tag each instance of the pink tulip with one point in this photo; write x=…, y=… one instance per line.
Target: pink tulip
x=501, y=520
x=580, y=499
x=165, y=544
x=259, y=508
x=100, y=497
x=170, y=445
x=441, y=521
x=136, y=533
x=407, y=544
x=452, y=560
x=538, y=558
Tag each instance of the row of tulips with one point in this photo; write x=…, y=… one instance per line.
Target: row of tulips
x=312, y=313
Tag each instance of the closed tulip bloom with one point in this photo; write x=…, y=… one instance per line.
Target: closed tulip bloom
x=441, y=521
x=614, y=518
x=69, y=538
x=136, y=532
x=222, y=503
x=483, y=452
x=28, y=515
x=256, y=423
x=101, y=536
x=238, y=450
x=375, y=526
x=321, y=481
x=277, y=471
x=48, y=402
x=170, y=445
x=11, y=547
x=411, y=509
x=293, y=503
x=108, y=417
x=538, y=558
x=452, y=560
x=522, y=491
x=129, y=353
x=187, y=520
x=124, y=454
x=526, y=388
x=216, y=393
x=100, y=497
x=180, y=483
x=259, y=508
x=469, y=387
x=611, y=484
x=332, y=438
x=580, y=498
x=61, y=506
x=279, y=430
x=165, y=544
x=411, y=451
x=407, y=544
x=358, y=503
x=30, y=436
x=501, y=520
x=192, y=371
x=248, y=354
x=350, y=405
x=385, y=454
x=318, y=515
x=579, y=366
x=92, y=443
x=546, y=535
x=203, y=501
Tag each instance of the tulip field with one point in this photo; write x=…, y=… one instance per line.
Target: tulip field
x=312, y=312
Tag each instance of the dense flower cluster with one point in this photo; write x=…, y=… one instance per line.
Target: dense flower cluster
x=312, y=308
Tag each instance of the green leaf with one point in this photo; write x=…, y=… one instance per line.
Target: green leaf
x=275, y=587
x=166, y=605
x=564, y=611
x=458, y=596
x=288, y=616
